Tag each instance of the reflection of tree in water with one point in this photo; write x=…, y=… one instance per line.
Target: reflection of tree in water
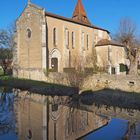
x=76, y=119
x=7, y=123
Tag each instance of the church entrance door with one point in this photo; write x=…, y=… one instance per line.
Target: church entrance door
x=54, y=64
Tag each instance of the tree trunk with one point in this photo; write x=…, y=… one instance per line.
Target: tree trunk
x=4, y=71
x=133, y=69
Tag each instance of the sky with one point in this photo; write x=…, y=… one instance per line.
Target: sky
x=102, y=13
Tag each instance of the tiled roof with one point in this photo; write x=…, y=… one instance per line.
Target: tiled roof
x=79, y=13
x=76, y=22
x=104, y=42
x=70, y=19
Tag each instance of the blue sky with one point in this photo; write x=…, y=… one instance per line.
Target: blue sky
x=102, y=13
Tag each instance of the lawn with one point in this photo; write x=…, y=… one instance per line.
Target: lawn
x=41, y=87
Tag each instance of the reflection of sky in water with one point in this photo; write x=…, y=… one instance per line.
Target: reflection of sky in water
x=115, y=130
x=7, y=119
x=9, y=136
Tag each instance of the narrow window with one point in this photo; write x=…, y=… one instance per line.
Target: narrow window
x=87, y=42
x=69, y=59
x=83, y=41
x=29, y=33
x=67, y=38
x=73, y=40
x=54, y=37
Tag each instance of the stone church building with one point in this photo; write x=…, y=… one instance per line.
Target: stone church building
x=49, y=42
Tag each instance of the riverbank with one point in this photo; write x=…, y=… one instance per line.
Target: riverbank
x=105, y=96
x=38, y=86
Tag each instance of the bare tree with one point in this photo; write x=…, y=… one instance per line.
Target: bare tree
x=75, y=77
x=92, y=59
x=126, y=35
x=7, y=45
x=11, y=36
x=4, y=38
x=79, y=64
x=6, y=59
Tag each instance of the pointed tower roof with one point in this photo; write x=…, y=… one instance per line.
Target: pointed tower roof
x=79, y=13
x=29, y=1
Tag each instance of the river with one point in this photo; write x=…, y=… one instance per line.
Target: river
x=31, y=116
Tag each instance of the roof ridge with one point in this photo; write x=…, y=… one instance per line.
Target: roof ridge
x=74, y=21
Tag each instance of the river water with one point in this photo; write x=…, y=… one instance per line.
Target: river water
x=30, y=116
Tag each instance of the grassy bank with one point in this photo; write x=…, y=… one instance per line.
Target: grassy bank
x=108, y=97
x=37, y=86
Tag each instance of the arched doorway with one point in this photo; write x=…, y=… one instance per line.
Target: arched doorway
x=55, y=59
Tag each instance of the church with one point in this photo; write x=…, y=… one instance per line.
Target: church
x=52, y=43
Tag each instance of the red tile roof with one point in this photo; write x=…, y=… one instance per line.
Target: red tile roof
x=76, y=22
x=104, y=42
x=79, y=13
x=71, y=20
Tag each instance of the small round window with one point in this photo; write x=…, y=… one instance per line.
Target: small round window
x=29, y=33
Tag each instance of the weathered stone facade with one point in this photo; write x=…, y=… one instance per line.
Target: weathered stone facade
x=111, y=56
x=48, y=42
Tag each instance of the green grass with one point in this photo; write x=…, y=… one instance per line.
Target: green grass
x=26, y=81
x=1, y=72
x=5, y=77
x=37, y=86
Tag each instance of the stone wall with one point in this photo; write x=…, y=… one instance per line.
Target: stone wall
x=93, y=82
x=30, y=46
x=34, y=74
x=122, y=82
x=41, y=75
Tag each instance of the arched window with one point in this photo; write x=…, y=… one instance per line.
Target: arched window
x=29, y=33
x=54, y=37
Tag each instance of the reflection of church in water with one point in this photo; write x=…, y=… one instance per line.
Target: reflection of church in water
x=53, y=118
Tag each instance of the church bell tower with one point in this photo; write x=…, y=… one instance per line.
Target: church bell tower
x=79, y=13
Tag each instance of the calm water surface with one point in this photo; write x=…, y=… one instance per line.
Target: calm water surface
x=26, y=116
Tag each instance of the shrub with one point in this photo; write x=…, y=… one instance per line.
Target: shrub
x=69, y=70
x=123, y=68
x=88, y=70
x=52, y=70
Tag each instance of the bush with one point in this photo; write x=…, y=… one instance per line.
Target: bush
x=52, y=70
x=69, y=70
x=88, y=70
x=123, y=68
x=1, y=72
